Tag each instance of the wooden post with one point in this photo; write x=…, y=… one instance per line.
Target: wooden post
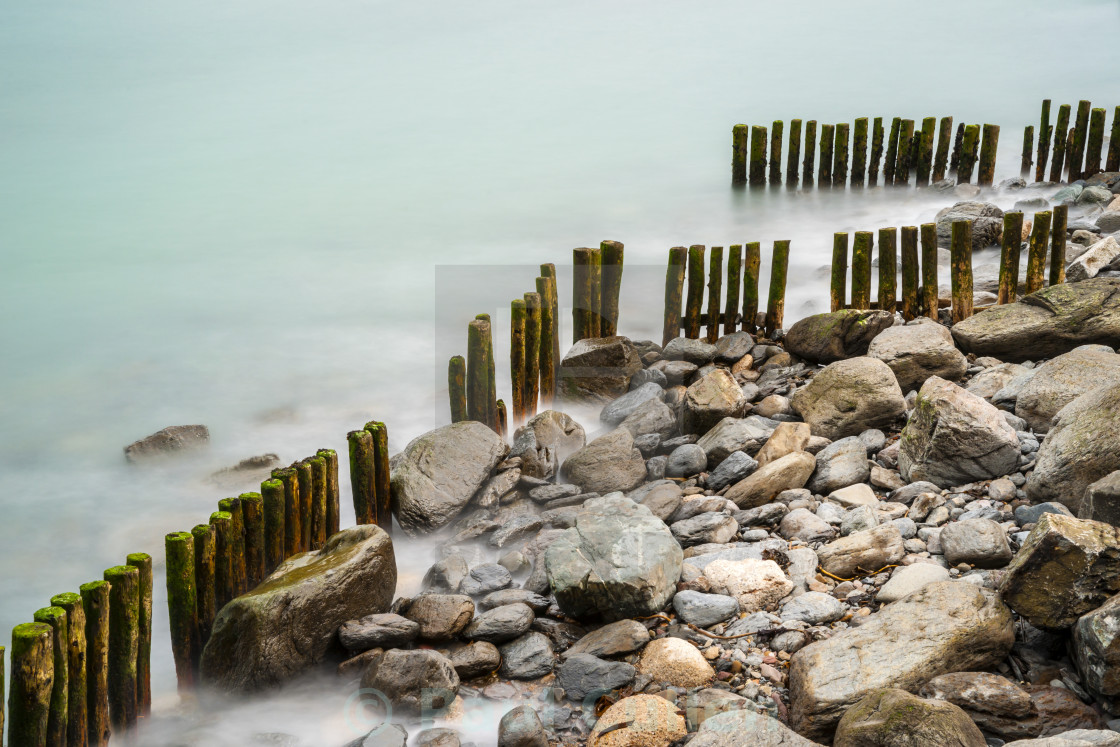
x=587, y=274
x=958, y=144
x=888, y=268
x=892, y=152
x=95, y=605
x=491, y=375
x=1028, y=152
x=1058, y=244
x=1113, y=163
x=32, y=679
x=776, y=153
x=548, y=270
x=1069, y=152
x=968, y=154
x=533, y=351
x=695, y=301
x=828, y=138
x=715, y=292
x=910, y=272
x=929, y=270
x=925, y=151
x=293, y=530
x=124, y=634
x=1094, y=144
x=1060, y=129
x=752, y=259
x=961, y=269
x=838, y=288
x=1009, y=257
x=362, y=471
x=333, y=497
x=1080, y=134
x=840, y=156
x=306, y=477
x=810, y=155
x=223, y=580
x=734, y=276
x=758, y=156
x=318, y=512
x=1036, y=251
x=77, y=723
x=206, y=603
x=859, y=152
x=457, y=387
x=944, y=138
x=142, y=562
x=905, y=153
x=1043, y=142
x=988, y=155
x=546, y=366
x=503, y=419
x=776, y=303
x=252, y=510
x=58, y=718
x=861, y=270
x=876, y=152
x=517, y=314
x=182, y=608
x=382, y=493
x=794, y=155
x=272, y=495
x=611, y=253
x=478, y=373
x=739, y=136
x=232, y=506
x=674, y=290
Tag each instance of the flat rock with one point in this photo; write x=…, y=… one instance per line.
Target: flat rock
x=618, y=410
x=713, y=527
x=613, y=639
x=980, y=693
x=918, y=350
x=170, y=440
x=812, y=607
x=729, y=729
x=695, y=351
x=704, y=610
x=755, y=584
x=731, y=435
x=786, y=439
x=381, y=630
x=609, y=463
x=734, y=468
x=850, y=396
x=764, y=484
x=731, y=348
x=803, y=524
x=909, y=578
x=862, y=553
x=651, y=417
x=581, y=675
x=830, y=337
x=500, y=624
x=1093, y=260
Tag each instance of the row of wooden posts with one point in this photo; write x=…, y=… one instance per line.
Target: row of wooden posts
x=907, y=148
x=1077, y=150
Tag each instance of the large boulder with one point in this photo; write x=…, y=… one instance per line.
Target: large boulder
x=978, y=542
x=1065, y=568
x=652, y=416
x=438, y=473
x=1093, y=260
x=862, y=553
x=1082, y=447
x=288, y=624
x=954, y=437
x=763, y=485
x=918, y=350
x=835, y=336
x=598, y=369
x=620, y=409
x=619, y=560
x=711, y=399
x=1096, y=651
x=848, y=397
x=545, y=441
x=746, y=727
x=415, y=682
x=609, y=463
x=1046, y=323
x=987, y=223
x=639, y=721
x=895, y=718
x=1063, y=379
x=943, y=627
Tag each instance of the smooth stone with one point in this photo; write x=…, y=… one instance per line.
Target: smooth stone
x=526, y=658
x=850, y=396
x=500, y=624
x=704, y=610
x=839, y=335
x=607, y=464
x=908, y=579
x=413, y=681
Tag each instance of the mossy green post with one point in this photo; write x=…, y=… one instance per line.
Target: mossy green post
x=232, y=506
x=776, y=302
x=612, y=255
x=809, y=166
x=206, y=603
x=517, y=316
x=548, y=270
x=892, y=151
x=95, y=605
x=252, y=510
x=960, y=262
x=944, y=138
x=1080, y=135
x=876, y=152
x=925, y=151
x=382, y=491
x=859, y=152
x=840, y=156
x=306, y=474
x=362, y=471
x=586, y=271
x=904, y=153
x=457, y=388
x=57, y=719
x=888, y=269
x=478, y=371
x=740, y=135
x=318, y=509
x=546, y=369
x=793, y=155
x=861, y=270
x=958, y=144
x=838, y=287
x=533, y=352
x=776, y=131
x=223, y=578
x=1044, y=132
x=695, y=301
x=124, y=641
x=715, y=292
x=503, y=419
x=910, y=271
x=674, y=292
x=1069, y=153
x=758, y=156
x=734, y=277
x=142, y=562
x=969, y=149
x=32, y=684
x=182, y=608
x=824, y=173
x=752, y=259
x=988, y=148
x=1009, y=257
x=1058, y=225
x=272, y=495
x=1095, y=144
x=1028, y=152
x=76, y=705
x=1061, y=128
x=293, y=530
x=929, y=270
x=334, y=517
x=1037, y=251
x=1113, y=162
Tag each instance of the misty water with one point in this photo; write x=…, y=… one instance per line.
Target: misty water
x=277, y=218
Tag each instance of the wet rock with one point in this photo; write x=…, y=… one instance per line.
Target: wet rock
x=497, y=487
x=546, y=440
x=731, y=348
x=695, y=351
x=287, y=625
x=786, y=439
x=909, y=578
x=385, y=735
x=638, y=721
x=436, y=475
x=439, y=737
x=826, y=338
x=441, y=616
x=500, y=624
x=581, y=675
x=1031, y=514
x=712, y=527
x=734, y=468
x=848, y=397
x=755, y=584
x=676, y=372
x=838, y=465
x=1063, y=379
x=729, y=729
x=987, y=223
x=536, y=602
x=764, y=484
x=384, y=630
x=731, y=435
x=869, y=551
x=250, y=469
x=475, y=660
x=598, y=369
x=704, y=610
x=485, y=578
x=978, y=542
x=653, y=417
x=711, y=399
x=607, y=464
x=688, y=460
x=675, y=661
x=662, y=498
x=1096, y=651
x=895, y=718
x=171, y=440
x=521, y=727
x=613, y=639
x=526, y=658
x=618, y=410
x=918, y=350
x=445, y=575
x=980, y=693
x=414, y=681
x=546, y=493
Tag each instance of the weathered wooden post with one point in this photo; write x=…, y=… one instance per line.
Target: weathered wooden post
x=533, y=351
x=362, y=475
x=1036, y=251
x=810, y=154
x=838, y=288
x=758, y=156
x=206, y=601
x=905, y=153
x=503, y=419
x=517, y=316
x=925, y=151
x=861, y=270
x=491, y=375
x=1080, y=134
x=888, y=269
x=306, y=477
x=958, y=145
x=293, y=530
x=776, y=303
x=840, y=156
x=968, y=153
x=715, y=292
x=734, y=276
x=587, y=277
x=828, y=138
x=1058, y=244
x=794, y=155
x=674, y=290
x=548, y=270
x=929, y=270
x=546, y=367
x=740, y=134
x=32, y=684
x=142, y=562
x=1043, y=142
x=960, y=251
x=95, y=605
x=478, y=372
x=182, y=607
x=77, y=724
x=988, y=155
x=611, y=253
x=876, y=151
x=232, y=506
x=1009, y=257
x=272, y=495
x=124, y=634
x=910, y=272
x=1060, y=129
x=1069, y=151
x=223, y=578
x=1094, y=144
x=695, y=301
x=334, y=516
x=457, y=387
x=752, y=259
x=859, y=152
x=776, y=152
x=58, y=718
x=382, y=493
x=1113, y=163
x=944, y=138
x=318, y=513
x=892, y=151
x=252, y=510
x=1028, y=152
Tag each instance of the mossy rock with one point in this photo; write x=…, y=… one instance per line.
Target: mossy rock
x=895, y=718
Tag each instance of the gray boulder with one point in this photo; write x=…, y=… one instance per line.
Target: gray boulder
x=918, y=350
x=546, y=440
x=987, y=223
x=704, y=610
x=840, y=464
x=730, y=348
x=609, y=463
x=475, y=660
x=415, y=682
x=894, y=718
x=735, y=467
x=713, y=527
x=764, y=484
x=651, y=417
x=835, y=336
x=711, y=399
x=695, y=351
x=441, y=617
x=378, y=631
x=521, y=727
x=500, y=624
x=862, y=553
x=685, y=461
x=1096, y=651
x=1102, y=500
x=582, y=674
x=1093, y=260
x=598, y=369
x=613, y=639
x=618, y=410
x=1059, y=381
x=746, y=726
x=527, y=657
x=733, y=434
x=848, y=397
x=978, y=542
x=176, y=438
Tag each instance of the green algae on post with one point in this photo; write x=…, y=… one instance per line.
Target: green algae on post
x=546, y=366
x=223, y=578
x=910, y=272
x=840, y=156
x=124, y=641
x=1009, y=257
x=517, y=316
x=252, y=510
x=876, y=151
x=892, y=151
x=674, y=291
x=776, y=303
x=958, y=144
x=944, y=138
x=968, y=153
x=888, y=268
x=794, y=153
x=1058, y=244
x=76, y=704
x=905, y=153
x=361, y=475
x=960, y=263
x=478, y=372
x=491, y=375
x=293, y=521
x=318, y=512
x=776, y=152
x=306, y=476
x=382, y=493
x=1113, y=163
x=824, y=173
x=548, y=270
x=1044, y=131
x=1028, y=152
x=1036, y=251
x=810, y=153
x=715, y=292
x=586, y=273
x=334, y=517
x=752, y=259
x=612, y=256
x=1080, y=134
x=838, y=287
x=859, y=152
x=758, y=156
x=533, y=352
x=740, y=134
x=32, y=684
x=142, y=562
x=1061, y=128
x=232, y=506
x=988, y=148
x=695, y=301
x=206, y=604
x=734, y=276
x=182, y=607
x=929, y=270
x=95, y=605
x=861, y=270
x=1094, y=144
x=925, y=150
x=457, y=388
x=57, y=719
